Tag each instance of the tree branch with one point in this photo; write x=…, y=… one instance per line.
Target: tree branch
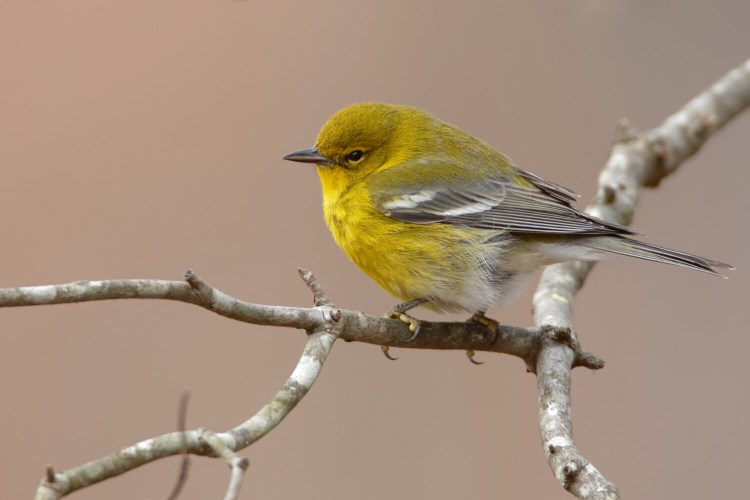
x=185, y=464
x=202, y=442
x=355, y=326
x=637, y=160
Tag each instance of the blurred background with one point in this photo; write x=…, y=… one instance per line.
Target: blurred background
x=141, y=138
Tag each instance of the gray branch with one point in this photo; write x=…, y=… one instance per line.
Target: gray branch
x=550, y=350
x=203, y=442
x=637, y=160
x=356, y=326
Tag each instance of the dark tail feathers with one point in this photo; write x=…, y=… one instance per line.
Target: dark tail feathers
x=647, y=251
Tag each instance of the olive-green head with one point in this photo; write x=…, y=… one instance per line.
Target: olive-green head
x=364, y=137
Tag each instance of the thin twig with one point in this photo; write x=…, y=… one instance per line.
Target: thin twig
x=318, y=345
x=185, y=462
x=237, y=465
x=319, y=295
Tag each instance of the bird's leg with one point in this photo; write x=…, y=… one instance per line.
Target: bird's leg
x=489, y=323
x=399, y=312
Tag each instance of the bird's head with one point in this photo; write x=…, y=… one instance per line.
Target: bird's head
x=363, y=138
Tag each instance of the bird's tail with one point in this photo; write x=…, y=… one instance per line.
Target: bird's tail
x=633, y=248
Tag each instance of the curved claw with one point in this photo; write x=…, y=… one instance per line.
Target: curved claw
x=492, y=325
x=470, y=355
x=413, y=323
x=385, y=349
x=414, y=326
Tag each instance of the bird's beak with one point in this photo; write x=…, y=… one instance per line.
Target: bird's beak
x=310, y=155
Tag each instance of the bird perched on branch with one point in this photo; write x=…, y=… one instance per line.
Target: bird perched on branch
x=439, y=218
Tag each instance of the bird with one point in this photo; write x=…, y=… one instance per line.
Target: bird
x=441, y=219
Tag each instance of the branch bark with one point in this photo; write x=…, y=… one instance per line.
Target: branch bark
x=550, y=350
x=356, y=326
x=201, y=441
x=637, y=160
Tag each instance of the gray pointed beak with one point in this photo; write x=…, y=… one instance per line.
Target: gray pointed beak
x=310, y=155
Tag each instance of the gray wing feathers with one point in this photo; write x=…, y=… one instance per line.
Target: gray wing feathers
x=495, y=203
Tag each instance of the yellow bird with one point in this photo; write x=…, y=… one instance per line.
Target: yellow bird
x=438, y=217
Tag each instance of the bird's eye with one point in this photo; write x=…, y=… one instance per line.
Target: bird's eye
x=355, y=155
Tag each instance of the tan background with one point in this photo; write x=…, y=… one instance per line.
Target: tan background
x=141, y=138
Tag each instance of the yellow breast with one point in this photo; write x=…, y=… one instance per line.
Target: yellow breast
x=408, y=260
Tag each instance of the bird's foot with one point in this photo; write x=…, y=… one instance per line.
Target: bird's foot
x=399, y=313
x=409, y=320
x=385, y=349
x=489, y=323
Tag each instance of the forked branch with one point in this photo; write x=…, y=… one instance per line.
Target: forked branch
x=637, y=160
x=550, y=350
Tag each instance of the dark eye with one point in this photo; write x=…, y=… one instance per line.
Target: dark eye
x=355, y=155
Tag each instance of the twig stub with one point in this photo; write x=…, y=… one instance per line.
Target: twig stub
x=319, y=295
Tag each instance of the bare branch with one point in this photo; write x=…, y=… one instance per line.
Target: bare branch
x=355, y=326
x=238, y=465
x=636, y=161
x=319, y=296
x=185, y=463
x=201, y=442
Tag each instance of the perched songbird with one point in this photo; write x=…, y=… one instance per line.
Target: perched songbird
x=440, y=218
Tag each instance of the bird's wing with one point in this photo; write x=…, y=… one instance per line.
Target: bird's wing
x=494, y=202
